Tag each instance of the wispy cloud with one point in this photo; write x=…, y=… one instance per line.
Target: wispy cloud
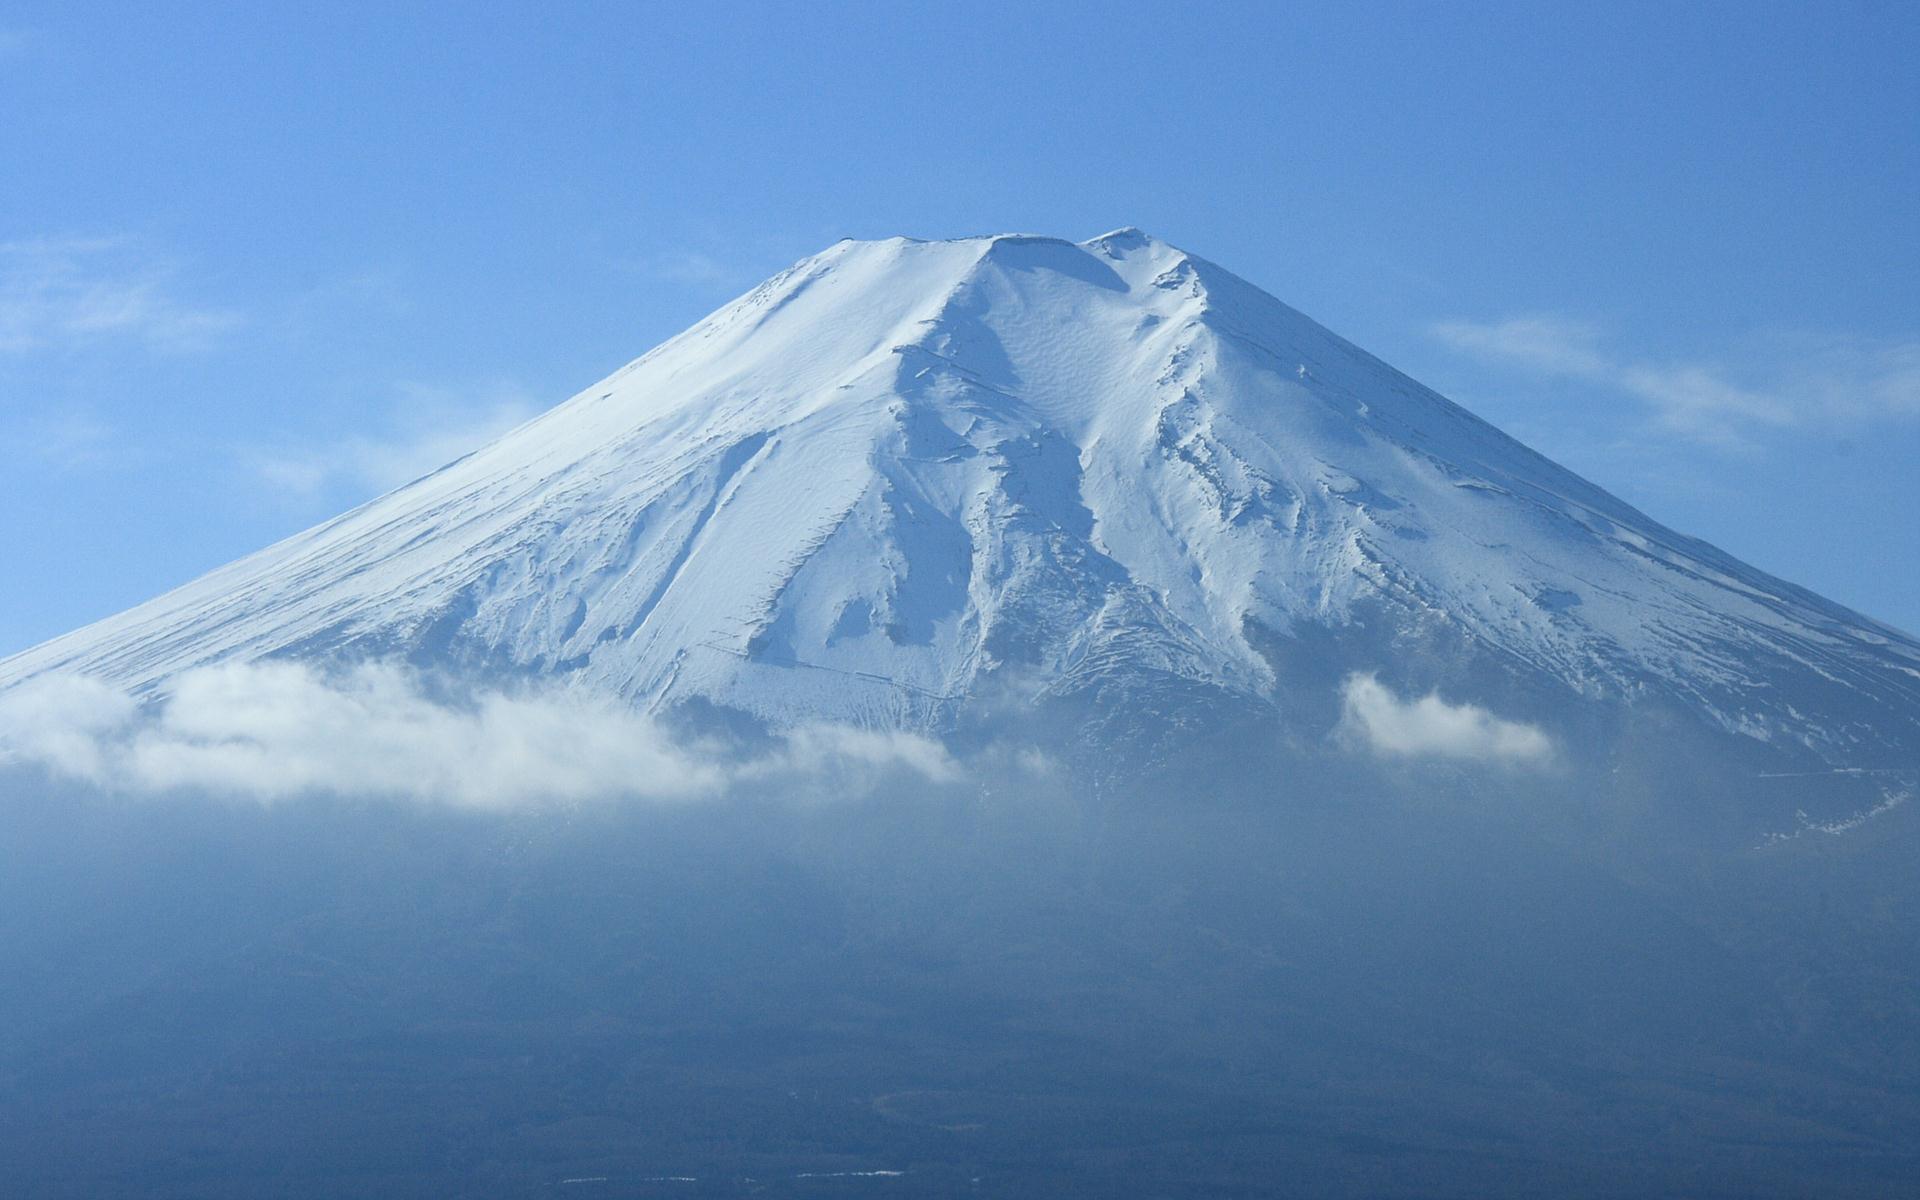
x=63, y=293
x=1555, y=345
x=1376, y=718
x=66, y=440
x=694, y=270
x=1807, y=378
x=271, y=731
x=16, y=43
x=706, y=273
x=431, y=427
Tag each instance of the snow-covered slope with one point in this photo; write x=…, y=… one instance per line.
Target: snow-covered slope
x=901, y=470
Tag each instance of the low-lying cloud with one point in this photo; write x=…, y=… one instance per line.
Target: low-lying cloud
x=276, y=730
x=1431, y=727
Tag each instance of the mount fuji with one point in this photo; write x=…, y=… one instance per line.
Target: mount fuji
x=902, y=476
x=1314, y=784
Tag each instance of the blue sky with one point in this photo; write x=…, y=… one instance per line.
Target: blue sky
x=256, y=266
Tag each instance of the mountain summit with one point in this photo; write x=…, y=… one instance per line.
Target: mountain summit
x=903, y=473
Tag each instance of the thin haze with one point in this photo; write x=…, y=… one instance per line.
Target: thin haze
x=256, y=266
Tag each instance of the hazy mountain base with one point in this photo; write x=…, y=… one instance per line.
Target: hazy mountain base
x=1253, y=969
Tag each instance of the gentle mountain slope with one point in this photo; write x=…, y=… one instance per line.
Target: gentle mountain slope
x=900, y=470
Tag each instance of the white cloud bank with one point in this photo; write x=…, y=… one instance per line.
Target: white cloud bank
x=276, y=730
x=1430, y=727
x=1810, y=379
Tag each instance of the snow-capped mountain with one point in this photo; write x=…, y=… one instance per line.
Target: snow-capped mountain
x=901, y=471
